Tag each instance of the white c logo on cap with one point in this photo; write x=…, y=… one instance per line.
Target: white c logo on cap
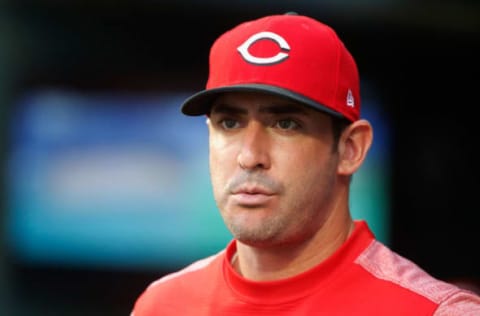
x=280, y=56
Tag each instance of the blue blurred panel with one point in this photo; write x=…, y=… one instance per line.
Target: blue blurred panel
x=122, y=180
x=110, y=180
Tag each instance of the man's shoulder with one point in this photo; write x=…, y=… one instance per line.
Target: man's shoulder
x=202, y=268
x=403, y=275
x=168, y=289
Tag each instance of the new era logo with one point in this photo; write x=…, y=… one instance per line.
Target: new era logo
x=350, y=99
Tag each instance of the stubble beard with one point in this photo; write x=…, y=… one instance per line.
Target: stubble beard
x=277, y=227
x=260, y=234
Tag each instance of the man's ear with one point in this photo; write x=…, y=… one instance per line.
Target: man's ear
x=353, y=146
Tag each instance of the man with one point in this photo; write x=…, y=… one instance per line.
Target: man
x=285, y=137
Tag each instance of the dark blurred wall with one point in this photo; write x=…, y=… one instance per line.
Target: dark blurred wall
x=422, y=58
x=7, y=76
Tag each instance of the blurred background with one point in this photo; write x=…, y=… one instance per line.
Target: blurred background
x=105, y=184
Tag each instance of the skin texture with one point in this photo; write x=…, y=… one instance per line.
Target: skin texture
x=280, y=188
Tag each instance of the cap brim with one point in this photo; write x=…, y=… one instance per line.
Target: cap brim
x=201, y=102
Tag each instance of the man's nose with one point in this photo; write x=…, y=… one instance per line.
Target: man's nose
x=254, y=151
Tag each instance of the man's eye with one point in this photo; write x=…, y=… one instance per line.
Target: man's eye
x=287, y=124
x=229, y=123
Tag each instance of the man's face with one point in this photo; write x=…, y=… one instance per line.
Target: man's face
x=272, y=167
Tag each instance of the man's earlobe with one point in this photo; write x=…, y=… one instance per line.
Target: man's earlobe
x=354, y=144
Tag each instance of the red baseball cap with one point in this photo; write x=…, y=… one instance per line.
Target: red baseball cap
x=289, y=55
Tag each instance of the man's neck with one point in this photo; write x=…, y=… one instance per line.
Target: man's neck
x=274, y=263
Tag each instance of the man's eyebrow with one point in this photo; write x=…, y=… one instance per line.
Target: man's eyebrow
x=283, y=109
x=228, y=109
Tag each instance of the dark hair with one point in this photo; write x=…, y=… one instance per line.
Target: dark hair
x=338, y=126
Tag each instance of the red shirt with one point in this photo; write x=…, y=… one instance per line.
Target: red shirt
x=363, y=277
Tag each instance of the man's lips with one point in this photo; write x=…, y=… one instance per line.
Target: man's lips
x=252, y=189
x=251, y=196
